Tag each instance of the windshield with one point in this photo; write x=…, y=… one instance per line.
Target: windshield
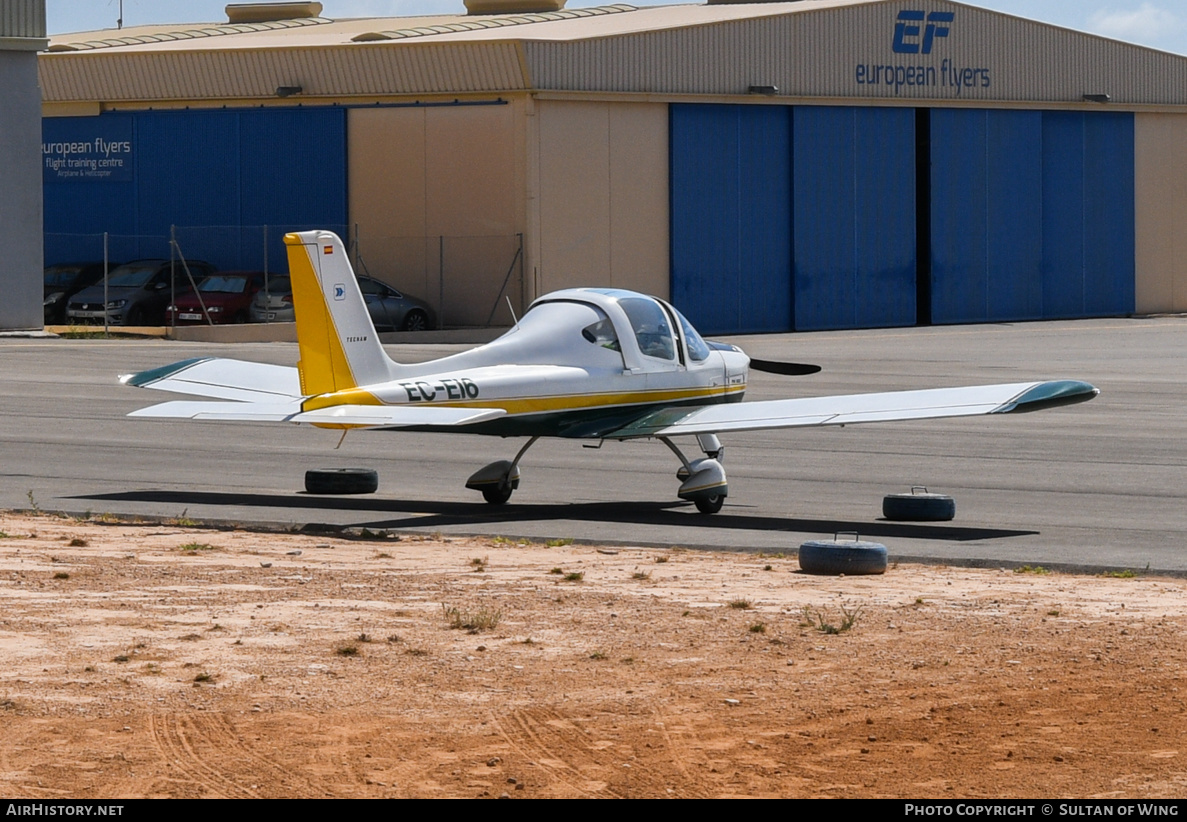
x=651, y=327
x=219, y=284
x=279, y=284
x=698, y=350
x=62, y=275
x=128, y=276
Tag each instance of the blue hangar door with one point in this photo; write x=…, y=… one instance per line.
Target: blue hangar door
x=219, y=175
x=1031, y=215
x=789, y=218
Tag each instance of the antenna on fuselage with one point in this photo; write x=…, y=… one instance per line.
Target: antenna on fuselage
x=511, y=308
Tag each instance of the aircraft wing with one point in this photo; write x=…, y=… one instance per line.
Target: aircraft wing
x=858, y=408
x=222, y=379
x=363, y=416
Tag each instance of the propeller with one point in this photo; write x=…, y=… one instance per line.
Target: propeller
x=788, y=369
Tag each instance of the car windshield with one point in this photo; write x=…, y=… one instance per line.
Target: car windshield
x=131, y=276
x=279, y=285
x=63, y=275
x=219, y=284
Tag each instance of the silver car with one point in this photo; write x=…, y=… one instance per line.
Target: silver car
x=389, y=309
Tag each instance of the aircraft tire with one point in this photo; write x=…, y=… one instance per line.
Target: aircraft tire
x=342, y=481
x=496, y=495
x=915, y=507
x=827, y=557
x=710, y=505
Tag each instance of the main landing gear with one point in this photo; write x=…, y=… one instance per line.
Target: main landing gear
x=703, y=481
x=497, y=480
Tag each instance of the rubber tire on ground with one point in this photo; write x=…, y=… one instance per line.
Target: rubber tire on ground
x=710, y=505
x=341, y=481
x=496, y=495
x=416, y=321
x=823, y=556
x=918, y=507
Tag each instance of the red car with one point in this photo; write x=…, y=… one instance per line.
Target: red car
x=226, y=296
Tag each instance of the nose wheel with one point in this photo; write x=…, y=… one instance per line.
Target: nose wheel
x=703, y=481
x=710, y=505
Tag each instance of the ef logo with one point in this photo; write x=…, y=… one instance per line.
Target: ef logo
x=906, y=30
x=339, y=291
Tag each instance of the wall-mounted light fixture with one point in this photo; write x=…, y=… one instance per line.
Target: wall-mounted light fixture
x=1097, y=98
x=767, y=90
x=288, y=91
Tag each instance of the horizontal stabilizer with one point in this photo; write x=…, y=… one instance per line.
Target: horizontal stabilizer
x=397, y=415
x=859, y=408
x=241, y=411
x=223, y=379
x=377, y=416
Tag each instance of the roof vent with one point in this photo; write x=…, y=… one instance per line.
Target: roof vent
x=512, y=6
x=268, y=12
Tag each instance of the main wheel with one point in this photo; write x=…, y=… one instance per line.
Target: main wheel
x=415, y=321
x=496, y=494
x=710, y=505
x=342, y=481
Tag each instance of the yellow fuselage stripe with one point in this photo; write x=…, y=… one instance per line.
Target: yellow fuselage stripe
x=536, y=405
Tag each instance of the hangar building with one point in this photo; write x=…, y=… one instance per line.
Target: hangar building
x=773, y=166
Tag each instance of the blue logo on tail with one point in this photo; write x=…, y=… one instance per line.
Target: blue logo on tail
x=339, y=291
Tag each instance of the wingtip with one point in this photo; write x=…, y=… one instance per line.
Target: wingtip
x=1050, y=394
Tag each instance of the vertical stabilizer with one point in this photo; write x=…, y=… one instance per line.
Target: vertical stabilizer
x=340, y=350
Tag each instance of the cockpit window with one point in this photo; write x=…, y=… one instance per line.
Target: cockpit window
x=698, y=351
x=651, y=327
x=602, y=334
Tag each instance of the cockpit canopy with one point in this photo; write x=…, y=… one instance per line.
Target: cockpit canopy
x=646, y=332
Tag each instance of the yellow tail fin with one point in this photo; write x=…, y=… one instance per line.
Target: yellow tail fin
x=340, y=350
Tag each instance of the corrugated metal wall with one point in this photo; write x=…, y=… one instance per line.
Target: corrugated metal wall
x=219, y=175
x=731, y=216
x=1028, y=215
x=1032, y=215
x=22, y=18
x=762, y=243
x=854, y=176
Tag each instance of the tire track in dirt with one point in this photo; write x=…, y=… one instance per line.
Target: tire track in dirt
x=678, y=733
x=560, y=748
x=208, y=751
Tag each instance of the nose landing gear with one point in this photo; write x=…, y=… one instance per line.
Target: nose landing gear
x=703, y=481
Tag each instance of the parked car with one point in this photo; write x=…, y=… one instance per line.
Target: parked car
x=137, y=293
x=63, y=281
x=226, y=295
x=389, y=309
x=274, y=302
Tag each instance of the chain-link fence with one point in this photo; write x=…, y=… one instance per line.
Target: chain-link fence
x=466, y=280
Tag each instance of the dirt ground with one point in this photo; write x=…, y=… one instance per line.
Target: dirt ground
x=173, y=661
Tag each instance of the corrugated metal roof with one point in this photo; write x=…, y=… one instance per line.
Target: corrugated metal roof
x=808, y=49
x=170, y=34
x=239, y=74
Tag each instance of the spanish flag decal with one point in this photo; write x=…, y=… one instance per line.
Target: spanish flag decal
x=329, y=249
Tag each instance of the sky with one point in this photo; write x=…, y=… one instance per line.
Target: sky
x=1160, y=24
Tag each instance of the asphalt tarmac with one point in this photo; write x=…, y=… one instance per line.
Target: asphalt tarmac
x=1099, y=485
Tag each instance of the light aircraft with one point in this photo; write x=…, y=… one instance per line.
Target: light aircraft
x=582, y=363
